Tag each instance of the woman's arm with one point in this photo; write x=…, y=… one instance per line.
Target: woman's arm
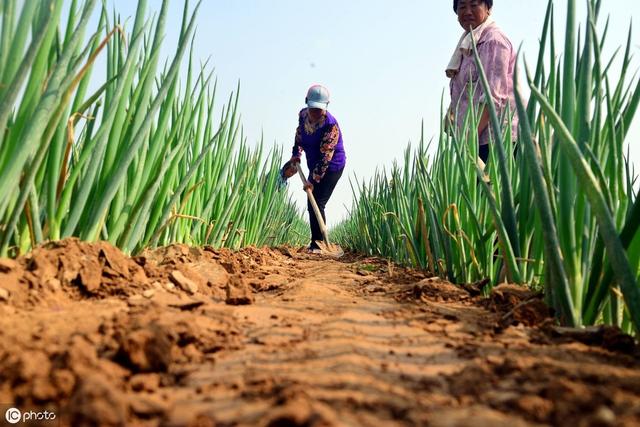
x=297, y=144
x=483, y=123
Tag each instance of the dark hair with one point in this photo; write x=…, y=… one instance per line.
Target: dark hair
x=489, y=4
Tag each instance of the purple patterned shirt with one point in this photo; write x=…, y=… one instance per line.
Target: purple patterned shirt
x=498, y=60
x=322, y=143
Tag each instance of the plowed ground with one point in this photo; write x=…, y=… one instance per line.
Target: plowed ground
x=260, y=337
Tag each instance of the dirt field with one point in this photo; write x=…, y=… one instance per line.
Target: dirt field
x=263, y=337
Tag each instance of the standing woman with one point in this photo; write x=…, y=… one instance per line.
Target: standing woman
x=498, y=59
x=319, y=136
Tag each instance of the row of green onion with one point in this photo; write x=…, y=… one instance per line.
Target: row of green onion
x=560, y=214
x=137, y=157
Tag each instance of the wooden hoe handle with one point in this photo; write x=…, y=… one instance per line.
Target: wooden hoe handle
x=316, y=210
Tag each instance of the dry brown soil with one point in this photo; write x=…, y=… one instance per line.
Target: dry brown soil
x=261, y=337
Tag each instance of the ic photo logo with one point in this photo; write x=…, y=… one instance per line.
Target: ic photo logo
x=15, y=416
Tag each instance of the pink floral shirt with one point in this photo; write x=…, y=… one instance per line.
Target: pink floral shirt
x=498, y=60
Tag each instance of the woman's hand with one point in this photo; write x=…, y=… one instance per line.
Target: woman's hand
x=289, y=170
x=448, y=122
x=291, y=167
x=308, y=186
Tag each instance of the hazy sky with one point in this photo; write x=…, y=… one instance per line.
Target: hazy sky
x=382, y=60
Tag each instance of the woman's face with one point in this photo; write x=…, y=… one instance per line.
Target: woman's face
x=315, y=114
x=472, y=13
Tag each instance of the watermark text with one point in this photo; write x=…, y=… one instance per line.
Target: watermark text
x=16, y=416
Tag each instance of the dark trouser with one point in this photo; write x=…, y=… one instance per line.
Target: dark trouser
x=321, y=192
x=483, y=152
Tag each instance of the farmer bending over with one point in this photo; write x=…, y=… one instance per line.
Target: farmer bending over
x=319, y=136
x=498, y=60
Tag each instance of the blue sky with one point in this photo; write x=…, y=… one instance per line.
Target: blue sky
x=382, y=60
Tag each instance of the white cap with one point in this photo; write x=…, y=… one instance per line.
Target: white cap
x=317, y=97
